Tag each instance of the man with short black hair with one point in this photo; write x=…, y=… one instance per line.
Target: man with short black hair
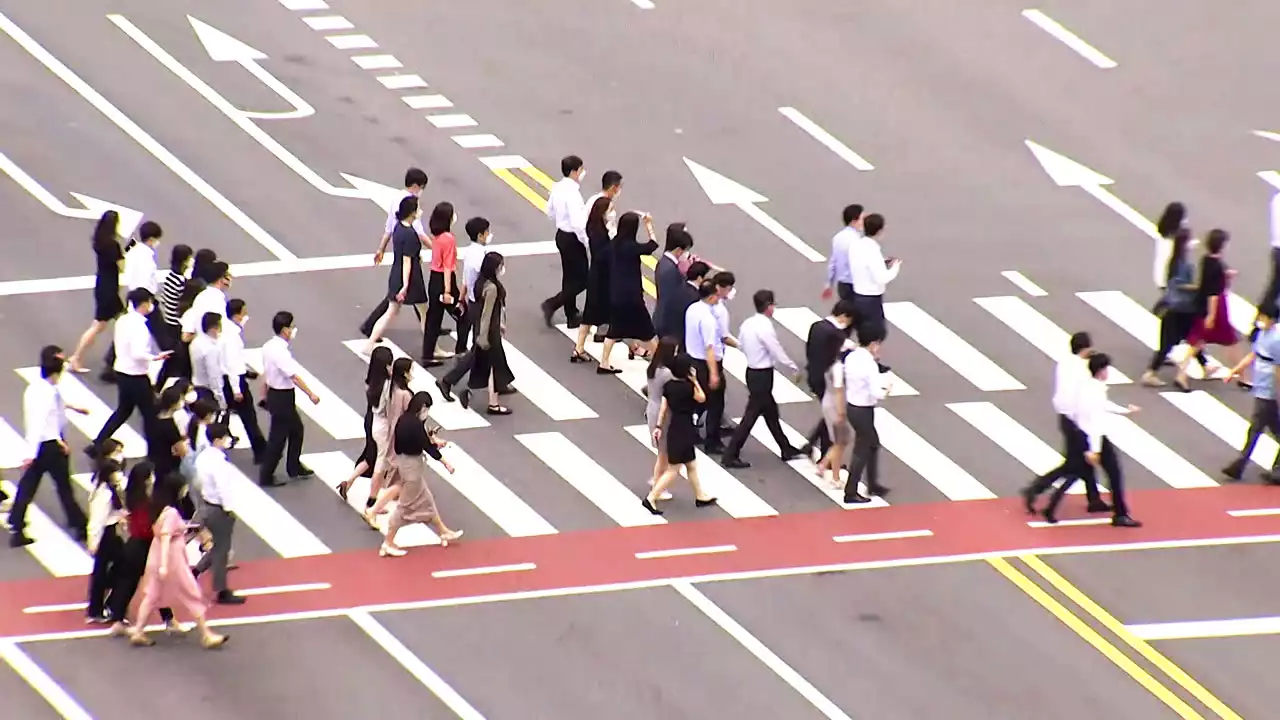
x=236, y=392
x=216, y=479
x=472, y=256
x=839, y=277
x=207, y=373
x=415, y=181
x=283, y=377
x=864, y=387
x=569, y=215
x=841, y=320
x=135, y=351
x=871, y=273
x=763, y=353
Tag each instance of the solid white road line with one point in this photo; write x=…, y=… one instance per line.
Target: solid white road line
x=478, y=141
x=1255, y=512
x=916, y=453
x=686, y=552
x=333, y=415
x=415, y=667
x=762, y=652
x=487, y=570
x=1078, y=522
x=351, y=42
x=299, y=5
x=504, y=507
x=402, y=82
x=784, y=391
x=1222, y=421
x=1036, y=329
x=815, y=131
x=587, y=477
x=324, y=23
x=1070, y=39
x=450, y=415
x=445, y=122
x=798, y=320
x=732, y=495
x=506, y=162
x=377, y=62
x=542, y=390
x=1012, y=437
x=44, y=684
x=1024, y=284
x=872, y=537
x=949, y=347
x=13, y=447
x=332, y=468
x=265, y=268
x=806, y=468
x=1203, y=629
x=148, y=143
x=643, y=4
x=283, y=589
x=427, y=102
x=1136, y=320
x=53, y=547
x=76, y=393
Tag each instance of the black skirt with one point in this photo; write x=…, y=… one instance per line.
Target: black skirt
x=681, y=439
x=107, y=304
x=629, y=320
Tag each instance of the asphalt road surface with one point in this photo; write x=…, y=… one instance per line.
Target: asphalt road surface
x=1018, y=156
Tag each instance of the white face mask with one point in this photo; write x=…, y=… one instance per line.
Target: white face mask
x=488, y=239
x=502, y=271
x=190, y=397
x=733, y=292
x=293, y=334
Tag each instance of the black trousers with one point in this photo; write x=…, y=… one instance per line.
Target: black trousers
x=466, y=358
x=1265, y=418
x=573, y=276
x=1074, y=465
x=435, y=317
x=135, y=393
x=248, y=413
x=1110, y=463
x=870, y=313
x=865, y=464
x=220, y=524
x=713, y=408
x=844, y=291
x=129, y=572
x=106, y=564
x=1174, y=327
x=52, y=459
x=760, y=404
x=819, y=437
x=285, y=433
x=1273, y=283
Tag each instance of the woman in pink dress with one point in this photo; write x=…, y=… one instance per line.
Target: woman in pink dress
x=1212, y=325
x=168, y=581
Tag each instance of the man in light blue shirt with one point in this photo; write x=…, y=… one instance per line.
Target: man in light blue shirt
x=1265, y=359
x=704, y=341
x=839, y=275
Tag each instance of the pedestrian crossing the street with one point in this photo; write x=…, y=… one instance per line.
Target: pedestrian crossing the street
x=567, y=443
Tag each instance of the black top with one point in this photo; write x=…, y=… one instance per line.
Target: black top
x=164, y=435
x=815, y=353
x=1213, y=280
x=405, y=243
x=412, y=438
x=108, y=256
x=624, y=268
x=679, y=395
x=668, y=280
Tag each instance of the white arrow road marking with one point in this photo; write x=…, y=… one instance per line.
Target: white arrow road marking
x=237, y=116
x=224, y=48
x=93, y=207
x=721, y=190
x=140, y=136
x=1070, y=39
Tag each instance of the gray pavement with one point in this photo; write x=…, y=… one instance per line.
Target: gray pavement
x=938, y=96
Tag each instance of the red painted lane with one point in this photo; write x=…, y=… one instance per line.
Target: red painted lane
x=604, y=557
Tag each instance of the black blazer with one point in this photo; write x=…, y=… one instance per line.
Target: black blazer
x=668, y=311
x=817, y=359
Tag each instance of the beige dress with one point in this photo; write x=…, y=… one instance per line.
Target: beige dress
x=416, y=504
x=393, y=406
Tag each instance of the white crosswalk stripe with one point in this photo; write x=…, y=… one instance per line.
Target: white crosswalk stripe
x=1014, y=438
x=332, y=468
x=1136, y=320
x=504, y=507
x=450, y=415
x=949, y=347
x=1037, y=329
x=1223, y=423
x=589, y=478
x=75, y=393
x=797, y=321
x=53, y=548
x=542, y=390
x=806, y=468
x=733, y=497
x=333, y=415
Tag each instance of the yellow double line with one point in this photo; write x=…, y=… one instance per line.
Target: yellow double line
x=535, y=199
x=1109, y=649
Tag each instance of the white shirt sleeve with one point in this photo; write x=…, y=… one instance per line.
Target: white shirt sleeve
x=99, y=513
x=37, y=404
x=1091, y=413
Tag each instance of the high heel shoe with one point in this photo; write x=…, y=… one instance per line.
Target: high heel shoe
x=343, y=488
x=449, y=537
x=213, y=641
x=387, y=551
x=369, y=519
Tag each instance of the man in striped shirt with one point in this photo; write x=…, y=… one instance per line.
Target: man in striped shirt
x=166, y=324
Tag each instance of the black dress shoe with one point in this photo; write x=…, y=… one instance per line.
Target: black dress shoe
x=877, y=490
x=716, y=449
x=303, y=473
x=1029, y=499
x=464, y=398
x=1234, y=471
x=705, y=503
x=1050, y=515
x=445, y=391
x=650, y=507
x=18, y=540
x=734, y=464
x=431, y=363
x=856, y=498
x=1125, y=521
x=547, y=313
x=226, y=597
x=789, y=454
x=1099, y=507
x=271, y=482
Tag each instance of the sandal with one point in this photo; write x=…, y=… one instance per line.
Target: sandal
x=497, y=410
x=579, y=357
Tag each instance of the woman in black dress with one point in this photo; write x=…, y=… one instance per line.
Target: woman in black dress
x=682, y=398
x=490, y=327
x=375, y=380
x=107, y=305
x=596, y=311
x=628, y=315
x=405, y=285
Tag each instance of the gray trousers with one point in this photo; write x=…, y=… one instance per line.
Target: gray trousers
x=220, y=524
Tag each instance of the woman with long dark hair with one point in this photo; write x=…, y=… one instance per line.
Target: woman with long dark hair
x=442, y=286
x=107, y=305
x=416, y=504
x=1177, y=306
x=1171, y=220
x=595, y=312
x=395, y=397
x=137, y=507
x=682, y=398
x=375, y=382
x=489, y=356
x=628, y=315
x=405, y=285
x=658, y=374
x=106, y=526
x=1212, y=324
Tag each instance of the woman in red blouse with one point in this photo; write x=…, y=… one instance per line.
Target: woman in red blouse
x=137, y=505
x=442, y=287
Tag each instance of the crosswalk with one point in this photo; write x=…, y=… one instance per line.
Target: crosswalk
x=567, y=446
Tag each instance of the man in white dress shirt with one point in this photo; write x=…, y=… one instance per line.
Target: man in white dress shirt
x=759, y=343
x=216, y=479
x=871, y=274
x=44, y=415
x=415, y=181
x=135, y=351
x=207, y=373
x=1071, y=371
x=610, y=187
x=283, y=377
x=141, y=270
x=1093, y=414
x=236, y=391
x=839, y=279
x=569, y=214
x=864, y=389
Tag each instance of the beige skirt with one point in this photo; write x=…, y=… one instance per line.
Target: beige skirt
x=415, y=504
